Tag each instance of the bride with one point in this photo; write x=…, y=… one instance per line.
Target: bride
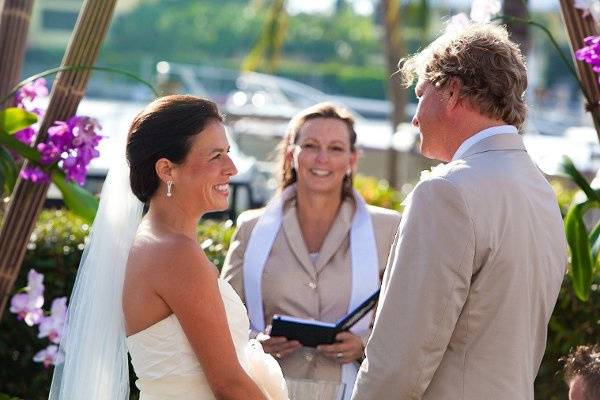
x=147, y=288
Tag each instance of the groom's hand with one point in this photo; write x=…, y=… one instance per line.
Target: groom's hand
x=278, y=346
x=347, y=348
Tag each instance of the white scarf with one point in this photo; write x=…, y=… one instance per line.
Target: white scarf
x=363, y=255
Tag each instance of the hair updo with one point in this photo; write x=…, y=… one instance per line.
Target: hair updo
x=164, y=129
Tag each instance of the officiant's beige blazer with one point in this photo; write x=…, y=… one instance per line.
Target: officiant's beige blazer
x=473, y=278
x=293, y=285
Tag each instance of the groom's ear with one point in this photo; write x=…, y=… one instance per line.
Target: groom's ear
x=164, y=169
x=453, y=90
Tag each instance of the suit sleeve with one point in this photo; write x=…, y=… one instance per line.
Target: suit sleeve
x=391, y=222
x=233, y=265
x=424, y=289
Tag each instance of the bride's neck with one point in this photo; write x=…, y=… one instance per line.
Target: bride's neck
x=169, y=218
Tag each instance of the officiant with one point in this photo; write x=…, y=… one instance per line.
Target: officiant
x=316, y=250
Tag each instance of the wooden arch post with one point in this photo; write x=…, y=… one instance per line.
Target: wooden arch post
x=69, y=87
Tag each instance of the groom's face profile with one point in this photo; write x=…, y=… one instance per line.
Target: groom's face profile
x=429, y=118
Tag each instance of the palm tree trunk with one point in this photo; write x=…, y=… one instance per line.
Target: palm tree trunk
x=519, y=31
x=394, y=50
x=579, y=27
x=14, y=24
x=28, y=198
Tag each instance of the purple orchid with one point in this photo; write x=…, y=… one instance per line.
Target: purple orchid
x=28, y=305
x=50, y=153
x=52, y=325
x=25, y=135
x=28, y=309
x=34, y=174
x=72, y=143
x=30, y=91
x=61, y=134
x=84, y=131
x=590, y=53
x=35, y=283
x=49, y=356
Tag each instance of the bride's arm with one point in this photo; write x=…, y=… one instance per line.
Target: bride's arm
x=188, y=284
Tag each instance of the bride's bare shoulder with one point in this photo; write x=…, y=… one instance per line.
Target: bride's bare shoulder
x=168, y=254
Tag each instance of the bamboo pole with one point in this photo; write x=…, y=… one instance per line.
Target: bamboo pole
x=28, y=198
x=14, y=25
x=579, y=27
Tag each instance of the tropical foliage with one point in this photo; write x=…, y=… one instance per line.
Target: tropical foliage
x=63, y=156
x=583, y=243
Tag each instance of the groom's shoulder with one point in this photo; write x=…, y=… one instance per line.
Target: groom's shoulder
x=456, y=172
x=249, y=217
x=383, y=215
x=454, y=180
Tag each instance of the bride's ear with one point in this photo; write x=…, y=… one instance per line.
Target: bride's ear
x=164, y=169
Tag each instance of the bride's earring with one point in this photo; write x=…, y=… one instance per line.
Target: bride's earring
x=349, y=172
x=169, y=185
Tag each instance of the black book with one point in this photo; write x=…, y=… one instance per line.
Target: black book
x=311, y=332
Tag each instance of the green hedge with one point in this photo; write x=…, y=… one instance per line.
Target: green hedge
x=56, y=246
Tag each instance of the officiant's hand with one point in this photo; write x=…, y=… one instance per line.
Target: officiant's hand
x=347, y=348
x=278, y=346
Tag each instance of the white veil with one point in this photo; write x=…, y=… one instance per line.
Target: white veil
x=93, y=343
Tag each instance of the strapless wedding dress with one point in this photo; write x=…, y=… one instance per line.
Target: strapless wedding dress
x=167, y=367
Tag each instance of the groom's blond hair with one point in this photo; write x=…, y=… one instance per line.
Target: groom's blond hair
x=489, y=65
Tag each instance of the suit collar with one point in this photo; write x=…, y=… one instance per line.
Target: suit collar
x=481, y=135
x=496, y=143
x=291, y=228
x=335, y=237
x=339, y=231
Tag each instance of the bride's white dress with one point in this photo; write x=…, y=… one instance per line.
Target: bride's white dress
x=167, y=367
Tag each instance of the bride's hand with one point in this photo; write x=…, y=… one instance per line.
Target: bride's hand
x=278, y=346
x=347, y=348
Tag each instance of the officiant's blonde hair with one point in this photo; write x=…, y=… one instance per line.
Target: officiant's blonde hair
x=489, y=65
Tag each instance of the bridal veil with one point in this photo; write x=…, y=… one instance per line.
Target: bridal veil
x=93, y=344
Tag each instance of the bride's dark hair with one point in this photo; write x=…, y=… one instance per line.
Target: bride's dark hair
x=163, y=130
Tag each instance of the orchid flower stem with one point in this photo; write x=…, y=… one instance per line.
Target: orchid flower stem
x=76, y=68
x=509, y=18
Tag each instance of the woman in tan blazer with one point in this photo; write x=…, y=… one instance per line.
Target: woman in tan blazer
x=316, y=250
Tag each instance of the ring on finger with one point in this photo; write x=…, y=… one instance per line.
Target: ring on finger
x=339, y=355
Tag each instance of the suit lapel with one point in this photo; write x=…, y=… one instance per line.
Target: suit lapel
x=338, y=232
x=293, y=234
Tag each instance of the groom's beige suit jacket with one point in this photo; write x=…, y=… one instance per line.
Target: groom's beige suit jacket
x=473, y=278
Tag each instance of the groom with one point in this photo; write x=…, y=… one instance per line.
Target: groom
x=480, y=254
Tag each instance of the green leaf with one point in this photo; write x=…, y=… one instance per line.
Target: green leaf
x=581, y=253
x=595, y=241
x=568, y=168
x=76, y=198
x=4, y=396
x=21, y=148
x=8, y=170
x=14, y=119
